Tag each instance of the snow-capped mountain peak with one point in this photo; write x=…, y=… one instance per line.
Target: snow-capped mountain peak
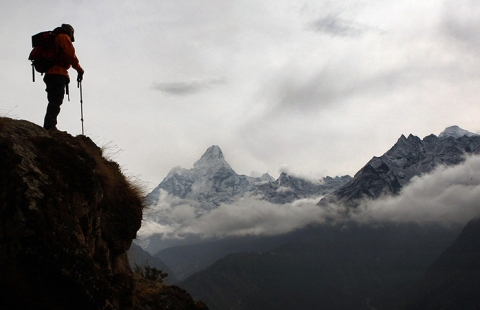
x=212, y=159
x=455, y=132
x=409, y=157
x=212, y=181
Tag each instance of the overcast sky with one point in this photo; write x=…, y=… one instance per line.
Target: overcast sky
x=312, y=87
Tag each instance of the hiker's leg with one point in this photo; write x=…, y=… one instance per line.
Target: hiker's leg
x=55, y=93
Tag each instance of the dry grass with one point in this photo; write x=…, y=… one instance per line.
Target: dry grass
x=122, y=202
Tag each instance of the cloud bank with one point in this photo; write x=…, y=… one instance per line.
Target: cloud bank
x=174, y=218
x=448, y=195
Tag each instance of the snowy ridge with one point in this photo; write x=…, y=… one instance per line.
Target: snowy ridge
x=409, y=157
x=287, y=189
x=456, y=132
x=213, y=181
x=212, y=160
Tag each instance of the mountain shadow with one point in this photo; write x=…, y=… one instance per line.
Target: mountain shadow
x=326, y=267
x=453, y=280
x=138, y=258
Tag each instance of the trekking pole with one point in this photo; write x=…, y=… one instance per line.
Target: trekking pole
x=79, y=85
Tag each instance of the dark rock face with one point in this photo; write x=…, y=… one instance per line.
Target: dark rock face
x=453, y=280
x=67, y=218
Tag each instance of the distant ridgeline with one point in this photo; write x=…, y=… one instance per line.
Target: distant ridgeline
x=409, y=157
x=213, y=181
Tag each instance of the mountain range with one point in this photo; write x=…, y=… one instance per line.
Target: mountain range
x=212, y=181
x=326, y=267
x=332, y=265
x=409, y=157
x=69, y=215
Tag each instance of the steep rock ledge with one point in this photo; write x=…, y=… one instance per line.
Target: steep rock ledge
x=67, y=218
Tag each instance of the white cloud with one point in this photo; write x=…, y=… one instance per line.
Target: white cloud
x=338, y=26
x=448, y=195
x=247, y=216
x=460, y=22
x=188, y=87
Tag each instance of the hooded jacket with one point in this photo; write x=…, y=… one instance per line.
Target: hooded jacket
x=66, y=56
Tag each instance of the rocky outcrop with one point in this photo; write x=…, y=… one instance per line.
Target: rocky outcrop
x=67, y=218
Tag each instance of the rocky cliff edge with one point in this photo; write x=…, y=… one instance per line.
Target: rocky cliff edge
x=67, y=218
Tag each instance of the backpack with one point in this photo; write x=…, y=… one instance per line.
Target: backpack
x=44, y=53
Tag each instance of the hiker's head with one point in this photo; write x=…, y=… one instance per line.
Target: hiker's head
x=68, y=30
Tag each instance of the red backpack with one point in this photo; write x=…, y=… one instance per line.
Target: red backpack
x=44, y=53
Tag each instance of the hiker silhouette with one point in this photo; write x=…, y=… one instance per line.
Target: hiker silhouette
x=56, y=77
